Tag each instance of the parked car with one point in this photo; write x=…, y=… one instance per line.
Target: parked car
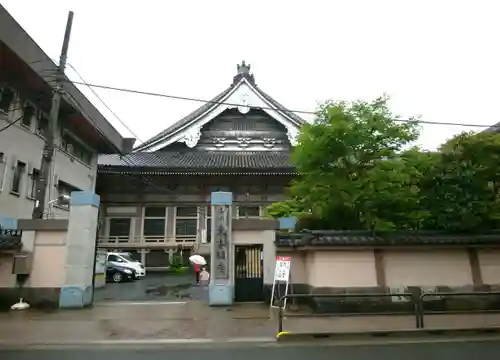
x=119, y=274
x=125, y=260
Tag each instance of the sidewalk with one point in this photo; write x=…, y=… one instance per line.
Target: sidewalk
x=195, y=320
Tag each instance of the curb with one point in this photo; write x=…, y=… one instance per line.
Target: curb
x=286, y=336
x=138, y=342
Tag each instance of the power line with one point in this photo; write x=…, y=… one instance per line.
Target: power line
x=124, y=158
x=105, y=105
x=177, y=97
x=11, y=124
x=114, y=114
x=185, y=98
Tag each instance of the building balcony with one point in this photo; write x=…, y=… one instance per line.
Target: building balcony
x=147, y=241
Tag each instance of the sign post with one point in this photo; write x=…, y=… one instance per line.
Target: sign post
x=281, y=279
x=222, y=281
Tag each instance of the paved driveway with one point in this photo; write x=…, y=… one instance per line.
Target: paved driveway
x=153, y=287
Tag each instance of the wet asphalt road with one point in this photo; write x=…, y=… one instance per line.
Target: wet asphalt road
x=487, y=350
x=153, y=287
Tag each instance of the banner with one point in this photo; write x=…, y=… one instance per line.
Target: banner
x=281, y=280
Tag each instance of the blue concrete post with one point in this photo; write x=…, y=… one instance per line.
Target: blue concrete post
x=76, y=292
x=287, y=223
x=221, y=251
x=8, y=223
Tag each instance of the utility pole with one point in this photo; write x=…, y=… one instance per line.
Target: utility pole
x=49, y=148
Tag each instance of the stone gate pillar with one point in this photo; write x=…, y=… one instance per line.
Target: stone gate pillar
x=221, y=251
x=80, y=250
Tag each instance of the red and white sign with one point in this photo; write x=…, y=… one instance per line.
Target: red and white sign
x=282, y=271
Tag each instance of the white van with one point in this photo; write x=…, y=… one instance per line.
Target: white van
x=125, y=260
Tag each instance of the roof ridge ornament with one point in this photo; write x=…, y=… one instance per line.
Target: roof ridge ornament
x=243, y=69
x=243, y=72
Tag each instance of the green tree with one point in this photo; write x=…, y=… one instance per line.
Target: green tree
x=350, y=167
x=462, y=189
x=391, y=197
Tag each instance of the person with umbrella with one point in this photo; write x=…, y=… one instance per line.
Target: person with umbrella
x=198, y=261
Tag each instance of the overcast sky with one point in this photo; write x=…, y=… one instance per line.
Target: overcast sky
x=436, y=58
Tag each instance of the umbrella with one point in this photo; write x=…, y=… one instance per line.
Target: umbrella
x=198, y=260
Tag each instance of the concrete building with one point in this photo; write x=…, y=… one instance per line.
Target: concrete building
x=157, y=199
x=26, y=86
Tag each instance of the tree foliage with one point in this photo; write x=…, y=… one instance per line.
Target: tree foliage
x=358, y=171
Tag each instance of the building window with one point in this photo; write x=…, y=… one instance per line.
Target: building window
x=186, y=221
x=75, y=148
x=119, y=227
x=275, y=189
x=208, y=223
x=35, y=176
x=42, y=125
x=18, y=177
x=154, y=221
x=3, y=167
x=29, y=112
x=63, y=188
x=6, y=98
x=249, y=211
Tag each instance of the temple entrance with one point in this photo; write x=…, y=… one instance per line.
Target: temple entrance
x=168, y=277
x=249, y=273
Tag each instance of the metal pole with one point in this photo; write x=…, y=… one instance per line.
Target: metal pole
x=48, y=151
x=280, y=314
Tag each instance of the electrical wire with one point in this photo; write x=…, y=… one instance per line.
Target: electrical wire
x=78, y=106
x=123, y=158
x=105, y=105
x=11, y=124
x=186, y=98
x=177, y=97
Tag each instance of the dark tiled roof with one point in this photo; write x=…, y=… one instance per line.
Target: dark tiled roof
x=213, y=103
x=200, y=160
x=10, y=240
x=363, y=238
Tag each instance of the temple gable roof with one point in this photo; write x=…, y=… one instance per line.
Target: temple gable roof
x=244, y=95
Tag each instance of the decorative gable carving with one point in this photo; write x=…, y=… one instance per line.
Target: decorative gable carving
x=269, y=142
x=244, y=96
x=219, y=142
x=244, y=142
x=293, y=135
x=192, y=136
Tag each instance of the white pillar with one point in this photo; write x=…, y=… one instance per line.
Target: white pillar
x=80, y=250
x=221, y=289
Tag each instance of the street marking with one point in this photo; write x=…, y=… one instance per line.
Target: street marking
x=282, y=333
x=115, y=303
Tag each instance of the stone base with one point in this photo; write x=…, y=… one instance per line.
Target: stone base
x=75, y=296
x=387, y=304
x=38, y=298
x=220, y=295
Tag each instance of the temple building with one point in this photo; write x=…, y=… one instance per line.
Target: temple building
x=157, y=200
